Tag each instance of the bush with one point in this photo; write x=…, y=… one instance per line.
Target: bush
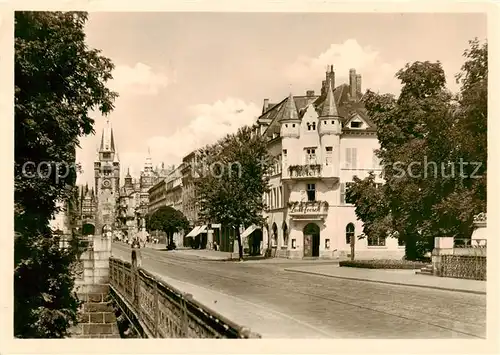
x=383, y=264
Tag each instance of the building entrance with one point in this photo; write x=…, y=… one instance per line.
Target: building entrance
x=311, y=240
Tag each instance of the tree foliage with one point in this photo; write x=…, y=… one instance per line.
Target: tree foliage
x=431, y=143
x=232, y=181
x=168, y=220
x=58, y=82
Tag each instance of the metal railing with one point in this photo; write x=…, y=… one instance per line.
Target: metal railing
x=469, y=243
x=159, y=310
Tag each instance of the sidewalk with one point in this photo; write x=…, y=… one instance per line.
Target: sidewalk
x=394, y=277
x=214, y=255
x=259, y=319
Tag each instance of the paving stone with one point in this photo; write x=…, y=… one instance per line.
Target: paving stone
x=97, y=317
x=98, y=307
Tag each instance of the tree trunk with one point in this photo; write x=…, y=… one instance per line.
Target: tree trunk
x=240, y=246
x=411, y=247
x=352, y=242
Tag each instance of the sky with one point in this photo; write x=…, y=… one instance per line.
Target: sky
x=187, y=79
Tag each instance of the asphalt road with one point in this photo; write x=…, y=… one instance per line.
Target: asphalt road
x=336, y=308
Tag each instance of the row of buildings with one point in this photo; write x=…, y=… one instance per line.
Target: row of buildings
x=320, y=142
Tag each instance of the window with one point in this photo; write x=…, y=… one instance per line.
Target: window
x=351, y=158
x=333, y=122
x=311, y=126
x=324, y=122
x=344, y=186
x=356, y=124
x=310, y=155
x=106, y=155
x=329, y=159
x=349, y=233
x=286, y=125
x=376, y=241
x=293, y=125
x=284, y=151
x=280, y=197
x=311, y=192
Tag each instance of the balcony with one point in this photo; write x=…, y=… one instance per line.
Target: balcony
x=327, y=173
x=308, y=210
x=306, y=171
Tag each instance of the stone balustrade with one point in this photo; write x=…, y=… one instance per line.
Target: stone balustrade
x=158, y=310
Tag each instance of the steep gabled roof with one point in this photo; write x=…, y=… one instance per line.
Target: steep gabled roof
x=345, y=106
x=288, y=110
x=329, y=108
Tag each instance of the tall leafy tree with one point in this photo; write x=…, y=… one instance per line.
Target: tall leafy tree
x=233, y=179
x=426, y=135
x=168, y=220
x=59, y=80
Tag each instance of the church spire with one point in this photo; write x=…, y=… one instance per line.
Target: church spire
x=107, y=139
x=329, y=106
x=148, y=166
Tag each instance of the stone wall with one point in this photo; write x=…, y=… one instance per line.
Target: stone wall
x=96, y=317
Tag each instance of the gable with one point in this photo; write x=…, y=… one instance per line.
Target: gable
x=356, y=122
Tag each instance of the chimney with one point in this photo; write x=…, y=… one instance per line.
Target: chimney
x=266, y=105
x=330, y=76
x=310, y=93
x=358, y=83
x=352, y=83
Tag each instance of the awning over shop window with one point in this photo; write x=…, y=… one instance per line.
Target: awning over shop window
x=249, y=231
x=194, y=232
x=202, y=229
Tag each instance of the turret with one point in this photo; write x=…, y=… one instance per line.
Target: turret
x=289, y=118
x=329, y=132
x=329, y=117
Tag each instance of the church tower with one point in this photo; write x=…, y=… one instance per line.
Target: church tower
x=107, y=179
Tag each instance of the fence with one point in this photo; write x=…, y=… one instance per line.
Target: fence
x=460, y=258
x=464, y=266
x=161, y=311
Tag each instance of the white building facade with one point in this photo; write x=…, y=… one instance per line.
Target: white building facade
x=320, y=143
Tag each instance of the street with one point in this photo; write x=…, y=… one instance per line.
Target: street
x=316, y=306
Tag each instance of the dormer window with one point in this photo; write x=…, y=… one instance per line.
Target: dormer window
x=356, y=124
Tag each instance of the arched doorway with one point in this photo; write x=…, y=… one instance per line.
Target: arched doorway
x=285, y=234
x=274, y=240
x=311, y=240
x=349, y=238
x=107, y=231
x=88, y=229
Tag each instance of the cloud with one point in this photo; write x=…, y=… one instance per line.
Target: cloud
x=211, y=122
x=377, y=73
x=139, y=79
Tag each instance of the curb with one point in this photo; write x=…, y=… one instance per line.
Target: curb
x=387, y=282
